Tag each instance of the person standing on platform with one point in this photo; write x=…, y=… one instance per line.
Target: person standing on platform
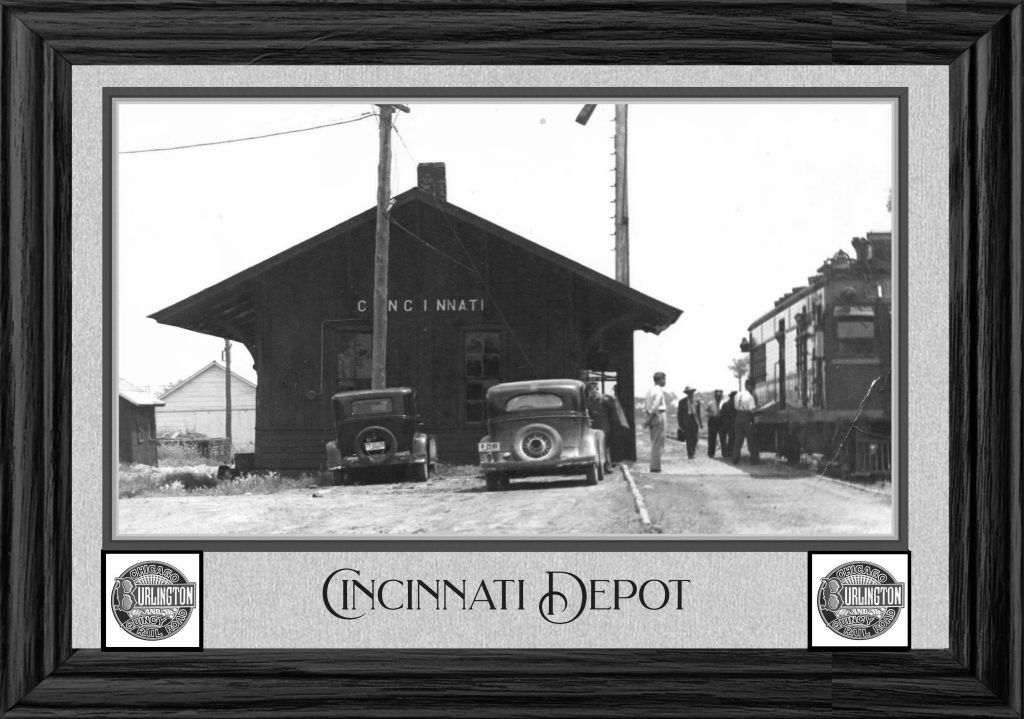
x=727, y=424
x=689, y=418
x=714, y=413
x=746, y=406
x=602, y=417
x=655, y=404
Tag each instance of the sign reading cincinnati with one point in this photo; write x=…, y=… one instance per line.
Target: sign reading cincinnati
x=152, y=600
x=859, y=600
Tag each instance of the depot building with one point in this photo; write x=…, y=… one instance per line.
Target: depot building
x=471, y=304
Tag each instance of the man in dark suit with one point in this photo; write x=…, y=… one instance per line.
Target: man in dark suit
x=726, y=422
x=606, y=415
x=689, y=419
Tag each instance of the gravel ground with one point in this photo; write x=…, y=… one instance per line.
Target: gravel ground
x=705, y=496
x=690, y=497
x=454, y=502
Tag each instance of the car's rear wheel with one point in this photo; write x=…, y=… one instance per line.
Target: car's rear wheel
x=594, y=472
x=537, y=443
x=496, y=481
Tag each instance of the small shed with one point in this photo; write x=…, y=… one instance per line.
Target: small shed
x=197, y=405
x=470, y=304
x=136, y=424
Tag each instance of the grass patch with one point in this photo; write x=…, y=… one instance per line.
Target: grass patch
x=139, y=480
x=190, y=481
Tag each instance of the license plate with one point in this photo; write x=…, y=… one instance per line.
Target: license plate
x=489, y=446
x=375, y=446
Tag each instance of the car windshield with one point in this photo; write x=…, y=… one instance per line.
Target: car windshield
x=534, y=401
x=379, y=405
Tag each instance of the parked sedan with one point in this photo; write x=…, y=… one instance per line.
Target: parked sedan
x=377, y=429
x=537, y=428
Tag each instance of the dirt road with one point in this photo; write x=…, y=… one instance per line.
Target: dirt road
x=690, y=497
x=711, y=496
x=706, y=496
x=454, y=503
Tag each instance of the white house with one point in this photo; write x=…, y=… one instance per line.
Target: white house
x=196, y=405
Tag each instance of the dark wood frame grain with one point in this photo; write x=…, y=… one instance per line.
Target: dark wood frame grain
x=982, y=42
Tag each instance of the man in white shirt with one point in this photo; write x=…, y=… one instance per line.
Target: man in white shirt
x=655, y=404
x=745, y=405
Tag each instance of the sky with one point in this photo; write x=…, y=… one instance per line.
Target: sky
x=731, y=203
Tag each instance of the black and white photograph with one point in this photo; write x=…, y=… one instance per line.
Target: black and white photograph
x=451, y=317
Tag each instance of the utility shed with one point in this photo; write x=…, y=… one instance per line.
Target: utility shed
x=136, y=422
x=197, y=405
x=471, y=304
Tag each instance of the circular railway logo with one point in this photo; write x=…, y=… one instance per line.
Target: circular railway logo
x=860, y=600
x=152, y=600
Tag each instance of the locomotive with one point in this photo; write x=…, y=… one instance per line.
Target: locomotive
x=821, y=362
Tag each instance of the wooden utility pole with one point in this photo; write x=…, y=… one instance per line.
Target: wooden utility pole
x=379, y=352
x=621, y=197
x=227, y=393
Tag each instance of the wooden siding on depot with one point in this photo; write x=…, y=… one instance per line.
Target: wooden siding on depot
x=296, y=449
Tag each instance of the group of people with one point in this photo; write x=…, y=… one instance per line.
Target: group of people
x=730, y=421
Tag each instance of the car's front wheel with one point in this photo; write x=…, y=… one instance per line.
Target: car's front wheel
x=496, y=481
x=419, y=472
x=432, y=454
x=595, y=473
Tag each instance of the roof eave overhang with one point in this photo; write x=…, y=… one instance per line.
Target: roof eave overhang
x=211, y=311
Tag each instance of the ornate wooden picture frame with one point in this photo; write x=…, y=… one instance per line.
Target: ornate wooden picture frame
x=979, y=673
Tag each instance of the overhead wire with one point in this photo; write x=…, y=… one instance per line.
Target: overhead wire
x=471, y=266
x=250, y=137
x=402, y=140
x=419, y=239
x=484, y=285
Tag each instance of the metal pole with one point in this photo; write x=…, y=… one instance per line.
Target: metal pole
x=621, y=191
x=379, y=358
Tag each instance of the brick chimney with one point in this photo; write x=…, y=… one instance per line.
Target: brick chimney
x=430, y=177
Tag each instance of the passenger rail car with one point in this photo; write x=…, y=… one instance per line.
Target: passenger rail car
x=821, y=363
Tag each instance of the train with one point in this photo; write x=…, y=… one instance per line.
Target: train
x=821, y=363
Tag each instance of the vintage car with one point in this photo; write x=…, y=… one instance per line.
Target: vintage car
x=538, y=428
x=376, y=429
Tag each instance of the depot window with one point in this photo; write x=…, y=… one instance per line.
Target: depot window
x=482, y=368
x=353, y=364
